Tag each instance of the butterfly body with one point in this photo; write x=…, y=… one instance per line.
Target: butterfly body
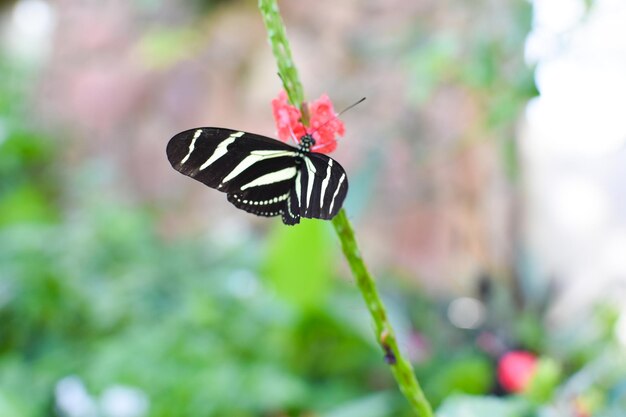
x=261, y=175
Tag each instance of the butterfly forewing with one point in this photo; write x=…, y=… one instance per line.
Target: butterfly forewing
x=261, y=175
x=209, y=155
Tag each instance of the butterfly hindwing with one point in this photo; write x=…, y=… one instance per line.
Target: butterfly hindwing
x=321, y=186
x=267, y=201
x=291, y=213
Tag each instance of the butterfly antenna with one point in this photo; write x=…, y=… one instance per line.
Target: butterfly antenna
x=350, y=106
x=293, y=136
x=337, y=115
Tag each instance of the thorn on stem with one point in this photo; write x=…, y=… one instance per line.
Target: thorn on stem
x=390, y=357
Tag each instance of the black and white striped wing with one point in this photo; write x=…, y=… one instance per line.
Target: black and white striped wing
x=256, y=172
x=320, y=187
x=260, y=175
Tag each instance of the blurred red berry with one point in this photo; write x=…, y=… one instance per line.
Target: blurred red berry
x=323, y=122
x=515, y=370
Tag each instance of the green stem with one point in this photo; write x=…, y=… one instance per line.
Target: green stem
x=401, y=368
x=282, y=52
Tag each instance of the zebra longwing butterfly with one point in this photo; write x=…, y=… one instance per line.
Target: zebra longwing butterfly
x=260, y=175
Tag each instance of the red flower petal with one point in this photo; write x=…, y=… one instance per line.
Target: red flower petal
x=325, y=125
x=287, y=118
x=516, y=369
x=323, y=121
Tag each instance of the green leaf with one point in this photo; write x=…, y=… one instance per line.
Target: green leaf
x=298, y=263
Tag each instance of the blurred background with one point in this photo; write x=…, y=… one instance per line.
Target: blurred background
x=488, y=190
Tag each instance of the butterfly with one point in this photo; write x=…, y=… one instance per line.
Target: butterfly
x=260, y=175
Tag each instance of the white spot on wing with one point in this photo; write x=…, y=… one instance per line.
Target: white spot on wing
x=291, y=214
x=192, y=145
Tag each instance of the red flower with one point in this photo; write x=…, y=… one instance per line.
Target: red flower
x=516, y=369
x=323, y=121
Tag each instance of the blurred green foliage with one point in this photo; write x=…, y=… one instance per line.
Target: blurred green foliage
x=27, y=179
x=299, y=263
x=471, y=374
x=466, y=406
x=544, y=381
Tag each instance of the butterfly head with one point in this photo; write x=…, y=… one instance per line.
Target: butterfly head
x=306, y=142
